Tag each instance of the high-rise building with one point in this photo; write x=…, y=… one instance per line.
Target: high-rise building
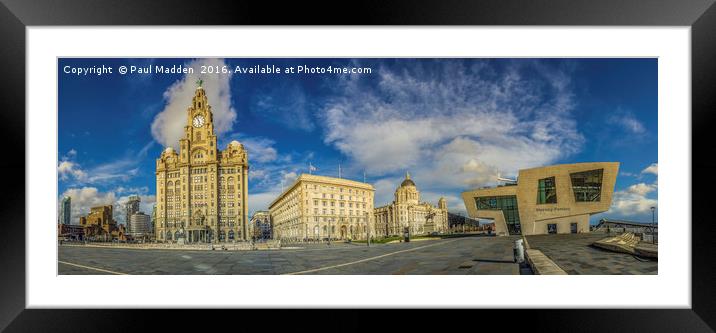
x=131, y=207
x=139, y=223
x=408, y=212
x=65, y=210
x=319, y=207
x=202, y=191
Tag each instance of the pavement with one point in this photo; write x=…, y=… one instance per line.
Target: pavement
x=463, y=256
x=575, y=255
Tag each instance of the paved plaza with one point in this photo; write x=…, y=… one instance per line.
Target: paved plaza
x=575, y=255
x=465, y=255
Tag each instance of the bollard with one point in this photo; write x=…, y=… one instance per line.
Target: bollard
x=519, y=251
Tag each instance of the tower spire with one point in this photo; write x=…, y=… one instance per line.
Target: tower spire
x=407, y=175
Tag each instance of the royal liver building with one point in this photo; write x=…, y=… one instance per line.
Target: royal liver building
x=202, y=191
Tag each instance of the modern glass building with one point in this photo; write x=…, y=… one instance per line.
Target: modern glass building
x=551, y=199
x=65, y=210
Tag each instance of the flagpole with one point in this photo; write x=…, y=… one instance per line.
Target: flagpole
x=339, y=170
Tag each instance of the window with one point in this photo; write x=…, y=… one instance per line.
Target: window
x=546, y=191
x=508, y=205
x=587, y=185
x=551, y=228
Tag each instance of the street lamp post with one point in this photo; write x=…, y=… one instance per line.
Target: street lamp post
x=329, y=230
x=653, y=225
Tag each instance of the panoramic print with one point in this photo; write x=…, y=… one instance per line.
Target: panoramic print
x=379, y=166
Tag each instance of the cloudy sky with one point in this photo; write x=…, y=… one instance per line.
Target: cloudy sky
x=454, y=124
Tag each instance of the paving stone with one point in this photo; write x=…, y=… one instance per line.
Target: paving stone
x=574, y=254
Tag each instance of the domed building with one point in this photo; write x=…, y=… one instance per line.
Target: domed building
x=407, y=212
x=201, y=190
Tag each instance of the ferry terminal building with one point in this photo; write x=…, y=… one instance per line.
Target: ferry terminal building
x=544, y=200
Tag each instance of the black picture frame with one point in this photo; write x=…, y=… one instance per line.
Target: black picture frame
x=16, y=15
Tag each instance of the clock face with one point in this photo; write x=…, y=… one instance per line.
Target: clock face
x=198, y=121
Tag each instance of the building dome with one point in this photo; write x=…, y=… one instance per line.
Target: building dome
x=407, y=181
x=169, y=150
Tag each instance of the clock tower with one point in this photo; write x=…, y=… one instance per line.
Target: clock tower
x=199, y=141
x=202, y=191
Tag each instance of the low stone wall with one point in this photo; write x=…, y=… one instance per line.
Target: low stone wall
x=541, y=264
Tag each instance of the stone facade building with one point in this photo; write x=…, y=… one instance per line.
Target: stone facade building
x=407, y=211
x=320, y=207
x=545, y=200
x=261, y=225
x=100, y=225
x=202, y=191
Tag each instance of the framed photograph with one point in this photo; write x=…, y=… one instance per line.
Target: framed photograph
x=489, y=161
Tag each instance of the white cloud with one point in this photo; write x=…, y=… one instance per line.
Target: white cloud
x=629, y=204
x=385, y=190
x=255, y=174
x=641, y=189
x=168, y=125
x=143, y=152
x=454, y=127
x=627, y=121
x=454, y=202
x=122, y=169
x=637, y=198
x=288, y=178
x=652, y=169
x=260, y=150
x=119, y=170
x=261, y=201
x=69, y=170
x=132, y=190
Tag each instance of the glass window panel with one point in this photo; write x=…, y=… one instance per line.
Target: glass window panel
x=587, y=185
x=546, y=191
x=508, y=205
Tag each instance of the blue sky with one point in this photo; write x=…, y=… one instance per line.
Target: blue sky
x=454, y=124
